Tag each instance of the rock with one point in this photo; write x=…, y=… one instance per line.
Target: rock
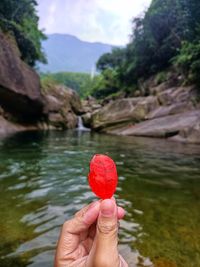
x=165, y=98
x=95, y=106
x=1, y=111
x=163, y=127
x=20, y=92
x=113, y=97
x=189, y=135
x=90, y=105
x=115, y=112
x=159, y=88
x=42, y=125
x=75, y=101
x=137, y=93
x=144, y=106
x=7, y=127
x=176, y=108
x=21, y=99
x=87, y=119
x=52, y=104
x=62, y=105
x=123, y=111
x=59, y=122
x=177, y=95
x=184, y=94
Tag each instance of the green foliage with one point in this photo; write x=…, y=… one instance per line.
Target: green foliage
x=111, y=79
x=99, y=86
x=81, y=82
x=188, y=61
x=157, y=37
x=19, y=18
x=161, y=77
x=111, y=60
x=105, y=84
x=168, y=29
x=47, y=83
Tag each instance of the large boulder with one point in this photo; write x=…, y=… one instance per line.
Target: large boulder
x=123, y=111
x=90, y=104
x=190, y=134
x=8, y=127
x=167, y=126
x=173, y=109
x=62, y=105
x=20, y=92
x=87, y=119
x=177, y=95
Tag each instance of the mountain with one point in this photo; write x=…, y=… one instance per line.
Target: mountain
x=66, y=52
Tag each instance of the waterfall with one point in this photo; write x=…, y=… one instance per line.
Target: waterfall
x=81, y=127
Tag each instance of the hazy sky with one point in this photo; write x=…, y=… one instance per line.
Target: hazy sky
x=106, y=21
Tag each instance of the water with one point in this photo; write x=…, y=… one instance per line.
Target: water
x=81, y=127
x=43, y=182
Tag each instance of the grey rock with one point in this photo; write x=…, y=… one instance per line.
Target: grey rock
x=123, y=111
x=189, y=135
x=175, y=108
x=165, y=126
x=87, y=119
x=20, y=92
x=62, y=106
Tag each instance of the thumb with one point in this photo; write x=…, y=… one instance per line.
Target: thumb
x=106, y=239
x=107, y=223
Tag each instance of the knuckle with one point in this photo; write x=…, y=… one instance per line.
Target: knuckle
x=106, y=228
x=65, y=225
x=68, y=226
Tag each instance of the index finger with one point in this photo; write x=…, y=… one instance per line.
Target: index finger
x=70, y=234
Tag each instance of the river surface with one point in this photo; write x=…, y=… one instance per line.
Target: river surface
x=43, y=183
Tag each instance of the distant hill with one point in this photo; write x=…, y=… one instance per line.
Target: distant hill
x=68, y=53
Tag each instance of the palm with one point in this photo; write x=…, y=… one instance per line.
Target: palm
x=84, y=244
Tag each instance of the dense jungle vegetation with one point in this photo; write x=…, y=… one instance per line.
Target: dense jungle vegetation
x=167, y=35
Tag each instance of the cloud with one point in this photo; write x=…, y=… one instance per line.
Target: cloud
x=106, y=21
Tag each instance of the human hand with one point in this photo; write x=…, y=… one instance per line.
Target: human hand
x=90, y=238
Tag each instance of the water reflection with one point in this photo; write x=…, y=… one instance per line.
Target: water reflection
x=43, y=182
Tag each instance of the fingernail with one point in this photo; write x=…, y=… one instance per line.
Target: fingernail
x=107, y=208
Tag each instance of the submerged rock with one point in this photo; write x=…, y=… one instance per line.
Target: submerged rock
x=8, y=127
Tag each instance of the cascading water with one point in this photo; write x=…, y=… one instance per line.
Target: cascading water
x=80, y=126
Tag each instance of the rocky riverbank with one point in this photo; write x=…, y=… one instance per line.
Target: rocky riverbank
x=171, y=112
x=23, y=104
x=168, y=111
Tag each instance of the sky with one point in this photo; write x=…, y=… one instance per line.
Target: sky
x=106, y=21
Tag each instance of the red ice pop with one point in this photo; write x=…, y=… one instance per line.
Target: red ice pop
x=102, y=176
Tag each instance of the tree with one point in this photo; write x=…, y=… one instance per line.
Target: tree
x=111, y=60
x=20, y=19
x=167, y=29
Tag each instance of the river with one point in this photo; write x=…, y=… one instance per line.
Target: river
x=43, y=182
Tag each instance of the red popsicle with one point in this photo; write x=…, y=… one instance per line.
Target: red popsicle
x=103, y=176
